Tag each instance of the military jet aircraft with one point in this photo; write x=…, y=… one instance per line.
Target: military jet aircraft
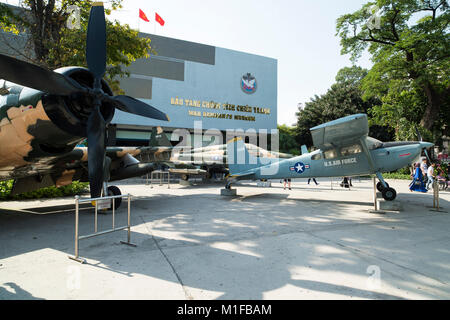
x=188, y=161
x=44, y=114
x=344, y=149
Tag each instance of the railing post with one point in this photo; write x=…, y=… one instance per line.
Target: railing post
x=96, y=217
x=129, y=218
x=375, y=194
x=436, y=195
x=113, y=213
x=77, y=238
x=77, y=207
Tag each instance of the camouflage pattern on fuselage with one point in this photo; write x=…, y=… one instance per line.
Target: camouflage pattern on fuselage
x=36, y=151
x=30, y=143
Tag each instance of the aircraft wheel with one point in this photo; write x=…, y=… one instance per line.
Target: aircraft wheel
x=185, y=177
x=380, y=186
x=389, y=194
x=114, y=191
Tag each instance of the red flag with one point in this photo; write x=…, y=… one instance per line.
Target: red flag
x=143, y=16
x=159, y=19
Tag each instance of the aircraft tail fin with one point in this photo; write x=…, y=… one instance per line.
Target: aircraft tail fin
x=159, y=138
x=304, y=149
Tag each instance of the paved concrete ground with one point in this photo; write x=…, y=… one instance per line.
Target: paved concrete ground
x=266, y=243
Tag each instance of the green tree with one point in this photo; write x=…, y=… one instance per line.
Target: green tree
x=342, y=99
x=288, y=143
x=51, y=44
x=409, y=44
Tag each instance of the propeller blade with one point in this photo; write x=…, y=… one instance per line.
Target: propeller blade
x=96, y=41
x=96, y=127
x=134, y=106
x=36, y=77
x=419, y=136
x=426, y=154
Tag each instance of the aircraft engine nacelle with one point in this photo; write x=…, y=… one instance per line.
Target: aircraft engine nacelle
x=71, y=113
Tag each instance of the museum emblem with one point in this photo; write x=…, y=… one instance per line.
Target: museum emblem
x=248, y=83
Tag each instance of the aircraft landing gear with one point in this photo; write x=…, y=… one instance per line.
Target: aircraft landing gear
x=380, y=186
x=114, y=191
x=388, y=193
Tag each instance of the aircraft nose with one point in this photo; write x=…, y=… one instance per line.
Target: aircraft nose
x=426, y=144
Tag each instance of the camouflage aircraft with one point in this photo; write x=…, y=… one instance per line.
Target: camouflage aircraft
x=44, y=114
x=344, y=149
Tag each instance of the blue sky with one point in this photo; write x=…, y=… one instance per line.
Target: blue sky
x=300, y=34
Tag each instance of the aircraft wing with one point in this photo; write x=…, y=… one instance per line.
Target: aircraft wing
x=340, y=132
x=62, y=170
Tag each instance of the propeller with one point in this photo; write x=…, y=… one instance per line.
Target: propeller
x=54, y=83
x=419, y=136
x=96, y=126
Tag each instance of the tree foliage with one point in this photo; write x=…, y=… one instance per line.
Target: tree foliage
x=408, y=41
x=72, y=189
x=51, y=44
x=342, y=99
x=287, y=143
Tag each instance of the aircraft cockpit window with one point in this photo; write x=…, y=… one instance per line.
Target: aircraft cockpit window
x=317, y=156
x=330, y=154
x=356, y=148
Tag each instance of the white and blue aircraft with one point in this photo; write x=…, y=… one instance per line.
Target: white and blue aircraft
x=344, y=150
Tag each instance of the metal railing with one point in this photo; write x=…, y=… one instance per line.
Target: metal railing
x=161, y=178
x=339, y=181
x=100, y=201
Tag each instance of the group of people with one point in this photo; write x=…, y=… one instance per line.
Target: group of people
x=425, y=175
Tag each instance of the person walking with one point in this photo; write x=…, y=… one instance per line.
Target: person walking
x=346, y=182
x=424, y=169
x=431, y=176
x=314, y=179
x=288, y=181
x=417, y=183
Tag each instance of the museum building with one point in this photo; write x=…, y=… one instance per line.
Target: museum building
x=198, y=86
